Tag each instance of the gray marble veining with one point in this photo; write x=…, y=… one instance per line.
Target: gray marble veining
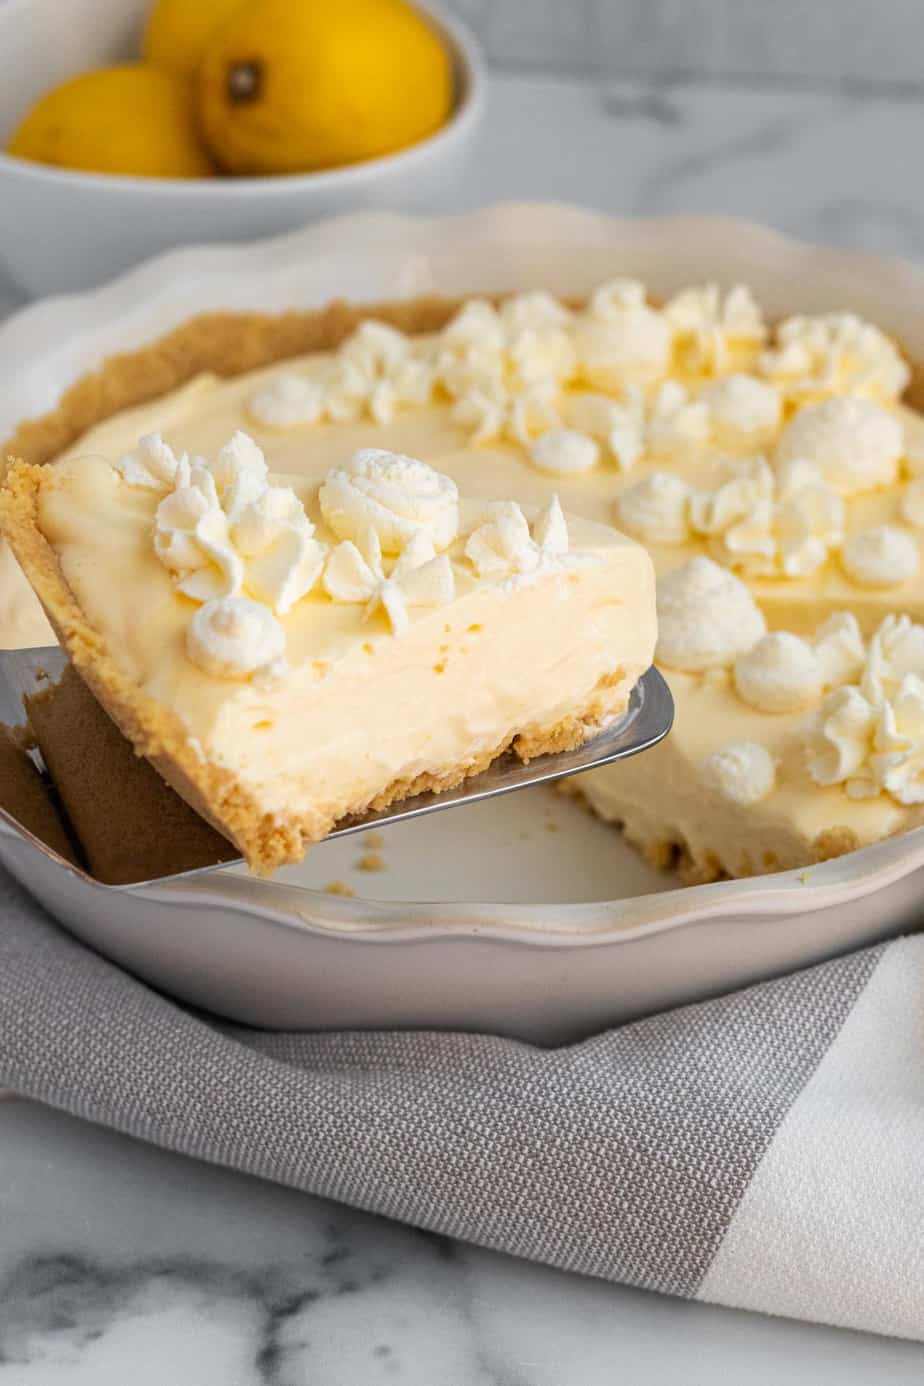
x=120, y=1263
x=831, y=166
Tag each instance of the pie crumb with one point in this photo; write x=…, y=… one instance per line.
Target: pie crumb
x=339, y=888
x=375, y=840
x=371, y=861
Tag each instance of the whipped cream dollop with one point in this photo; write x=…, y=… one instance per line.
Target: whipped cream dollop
x=675, y=421
x=241, y=547
x=881, y=557
x=597, y=415
x=841, y=743
x=869, y=737
x=395, y=495
x=708, y=325
x=527, y=340
x=534, y=311
x=656, y=509
x=282, y=558
x=192, y=540
x=235, y=638
x=896, y=649
x=376, y=370
x=504, y=545
x=476, y=334
x=781, y=673
x=767, y=524
x=744, y=411
x=505, y=368
x=840, y=649
x=620, y=425
x=872, y=749
x=621, y=338
x=784, y=672
x=287, y=400
x=669, y=423
x=743, y=772
x=897, y=763
x=706, y=617
x=223, y=529
x=856, y=442
x=489, y=410
x=355, y=572
x=565, y=452
x=834, y=353
x=153, y=465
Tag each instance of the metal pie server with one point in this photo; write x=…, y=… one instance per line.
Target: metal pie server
x=647, y=721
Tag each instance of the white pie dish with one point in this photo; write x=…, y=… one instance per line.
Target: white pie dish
x=532, y=954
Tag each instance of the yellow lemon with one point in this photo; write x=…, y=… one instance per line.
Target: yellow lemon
x=288, y=87
x=178, y=30
x=135, y=120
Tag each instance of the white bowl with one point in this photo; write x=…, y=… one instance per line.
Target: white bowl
x=483, y=919
x=62, y=230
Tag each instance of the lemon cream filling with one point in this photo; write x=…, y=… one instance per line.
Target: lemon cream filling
x=323, y=646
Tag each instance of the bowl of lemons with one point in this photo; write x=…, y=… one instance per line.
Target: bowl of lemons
x=131, y=126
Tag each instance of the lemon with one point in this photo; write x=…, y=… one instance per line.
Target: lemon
x=135, y=120
x=289, y=87
x=177, y=31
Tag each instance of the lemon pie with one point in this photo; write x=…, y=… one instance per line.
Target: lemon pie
x=772, y=472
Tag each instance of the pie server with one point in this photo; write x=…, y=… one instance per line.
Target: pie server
x=647, y=721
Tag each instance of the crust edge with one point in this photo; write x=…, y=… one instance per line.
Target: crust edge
x=227, y=344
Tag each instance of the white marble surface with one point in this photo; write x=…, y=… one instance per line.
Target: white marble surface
x=122, y=1264
x=824, y=164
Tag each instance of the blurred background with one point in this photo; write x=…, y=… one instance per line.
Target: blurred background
x=789, y=41
x=804, y=114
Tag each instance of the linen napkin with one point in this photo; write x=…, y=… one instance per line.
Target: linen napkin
x=763, y=1150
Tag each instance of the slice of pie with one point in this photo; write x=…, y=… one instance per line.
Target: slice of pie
x=288, y=654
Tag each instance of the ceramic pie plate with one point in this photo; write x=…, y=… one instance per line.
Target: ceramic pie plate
x=522, y=915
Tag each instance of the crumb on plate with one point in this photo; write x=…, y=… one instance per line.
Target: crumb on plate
x=339, y=888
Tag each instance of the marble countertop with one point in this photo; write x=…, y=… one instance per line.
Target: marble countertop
x=120, y=1263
